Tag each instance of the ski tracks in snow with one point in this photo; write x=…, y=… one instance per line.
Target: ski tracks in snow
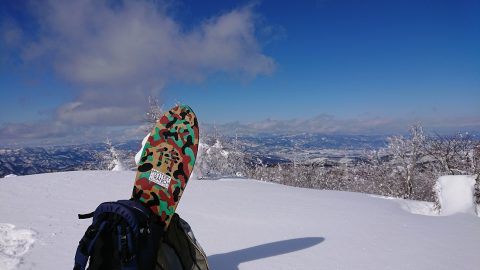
x=14, y=244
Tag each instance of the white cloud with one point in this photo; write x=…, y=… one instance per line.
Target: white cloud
x=118, y=55
x=95, y=44
x=34, y=130
x=329, y=124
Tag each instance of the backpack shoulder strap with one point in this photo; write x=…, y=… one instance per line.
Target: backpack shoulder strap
x=85, y=216
x=86, y=244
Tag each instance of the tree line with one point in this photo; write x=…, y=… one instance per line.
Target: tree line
x=407, y=167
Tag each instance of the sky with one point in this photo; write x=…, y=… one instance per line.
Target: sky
x=83, y=70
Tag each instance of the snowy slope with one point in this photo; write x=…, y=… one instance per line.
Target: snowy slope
x=242, y=224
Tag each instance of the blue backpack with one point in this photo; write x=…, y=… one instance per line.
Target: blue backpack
x=123, y=235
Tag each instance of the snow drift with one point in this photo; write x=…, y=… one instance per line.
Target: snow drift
x=242, y=224
x=455, y=194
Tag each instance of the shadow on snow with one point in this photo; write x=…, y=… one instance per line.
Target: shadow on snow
x=231, y=260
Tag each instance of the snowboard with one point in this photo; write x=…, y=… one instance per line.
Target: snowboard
x=167, y=162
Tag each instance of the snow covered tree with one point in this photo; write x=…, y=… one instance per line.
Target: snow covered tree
x=110, y=159
x=406, y=154
x=374, y=175
x=216, y=157
x=477, y=191
x=474, y=158
x=476, y=168
x=236, y=159
x=215, y=160
x=154, y=112
x=454, y=154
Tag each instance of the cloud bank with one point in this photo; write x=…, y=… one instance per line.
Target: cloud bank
x=93, y=43
x=117, y=53
x=329, y=124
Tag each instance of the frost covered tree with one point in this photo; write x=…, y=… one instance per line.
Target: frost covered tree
x=153, y=113
x=375, y=175
x=476, y=170
x=236, y=160
x=110, y=159
x=453, y=154
x=475, y=154
x=215, y=160
x=214, y=157
x=477, y=191
x=406, y=154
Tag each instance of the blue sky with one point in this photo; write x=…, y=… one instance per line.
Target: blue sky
x=348, y=66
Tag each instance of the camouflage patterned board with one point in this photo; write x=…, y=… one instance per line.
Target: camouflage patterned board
x=167, y=162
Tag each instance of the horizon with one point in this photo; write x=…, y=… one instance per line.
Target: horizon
x=225, y=135
x=86, y=69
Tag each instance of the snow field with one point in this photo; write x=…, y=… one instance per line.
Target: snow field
x=49, y=203
x=247, y=224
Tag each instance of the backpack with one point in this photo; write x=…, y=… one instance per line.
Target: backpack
x=126, y=235
x=123, y=235
x=179, y=249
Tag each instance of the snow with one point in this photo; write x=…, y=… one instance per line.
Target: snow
x=118, y=166
x=14, y=243
x=418, y=208
x=456, y=194
x=241, y=224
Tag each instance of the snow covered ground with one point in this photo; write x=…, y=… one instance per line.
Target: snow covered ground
x=242, y=224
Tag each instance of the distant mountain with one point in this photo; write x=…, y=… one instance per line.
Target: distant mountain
x=265, y=148
x=35, y=160
x=272, y=149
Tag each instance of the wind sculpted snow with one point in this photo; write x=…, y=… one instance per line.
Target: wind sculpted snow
x=248, y=224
